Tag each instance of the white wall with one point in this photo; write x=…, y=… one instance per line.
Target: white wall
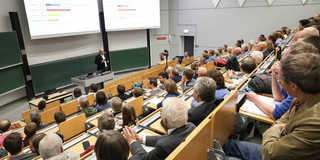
x=213, y=27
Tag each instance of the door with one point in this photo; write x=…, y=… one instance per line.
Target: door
x=189, y=45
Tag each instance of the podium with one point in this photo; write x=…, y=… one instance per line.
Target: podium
x=95, y=77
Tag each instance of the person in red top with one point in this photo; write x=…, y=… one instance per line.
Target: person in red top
x=5, y=129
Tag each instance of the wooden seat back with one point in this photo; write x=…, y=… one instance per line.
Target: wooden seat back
x=52, y=105
x=113, y=90
x=146, y=76
x=129, y=78
x=127, y=85
x=137, y=104
x=26, y=115
x=109, y=84
x=146, y=71
x=91, y=99
x=70, y=107
x=145, y=83
x=119, y=81
x=47, y=116
x=73, y=126
x=210, y=65
x=137, y=79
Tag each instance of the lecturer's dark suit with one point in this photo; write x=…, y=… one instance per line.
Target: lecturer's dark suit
x=164, y=145
x=98, y=61
x=197, y=114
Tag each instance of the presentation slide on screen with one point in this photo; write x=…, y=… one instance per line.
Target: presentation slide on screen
x=131, y=14
x=56, y=18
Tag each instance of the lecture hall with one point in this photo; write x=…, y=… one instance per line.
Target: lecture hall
x=159, y=79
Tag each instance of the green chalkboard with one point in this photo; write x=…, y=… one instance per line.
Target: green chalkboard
x=58, y=73
x=11, y=78
x=9, y=49
x=128, y=59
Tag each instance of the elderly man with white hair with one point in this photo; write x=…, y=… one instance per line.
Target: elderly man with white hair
x=51, y=149
x=204, y=93
x=175, y=115
x=256, y=57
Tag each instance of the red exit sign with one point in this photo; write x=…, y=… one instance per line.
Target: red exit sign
x=161, y=38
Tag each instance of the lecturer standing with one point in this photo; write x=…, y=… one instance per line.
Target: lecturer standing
x=101, y=61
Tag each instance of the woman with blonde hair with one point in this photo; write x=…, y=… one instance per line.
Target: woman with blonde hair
x=171, y=87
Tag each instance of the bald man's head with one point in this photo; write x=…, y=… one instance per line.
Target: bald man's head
x=169, y=70
x=309, y=31
x=237, y=50
x=261, y=46
x=101, y=51
x=202, y=72
x=5, y=125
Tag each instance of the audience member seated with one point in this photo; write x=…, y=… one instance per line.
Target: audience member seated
x=105, y=122
x=137, y=92
x=102, y=101
x=245, y=49
x=174, y=115
x=262, y=47
x=111, y=145
x=77, y=94
x=204, y=93
x=29, y=130
x=116, y=105
x=270, y=46
x=246, y=68
x=256, y=57
x=303, y=23
x=202, y=60
x=213, y=55
x=5, y=130
x=13, y=144
x=186, y=55
x=295, y=134
x=34, y=143
x=171, y=87
x=169, y=70
x=51, y=149
x=175, y=76
x=162, y=77
x=221, y=89
x=187, y=79
x=202, y=72
x=178, y=60
x=121, y=89
x=85, y=108
x=309, y=31
x=41, y=105
x=232, y=63
x=37, y=120
x=93, y=88
x=278, y=92
x=314, y=40
x=179, y=68
x=152, y=84
x=129, y=116
x=195, y=67
x=60, y=117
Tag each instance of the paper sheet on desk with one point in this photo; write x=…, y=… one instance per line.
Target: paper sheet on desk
x=147, y=148
x=155, y=100
x=249, y=106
